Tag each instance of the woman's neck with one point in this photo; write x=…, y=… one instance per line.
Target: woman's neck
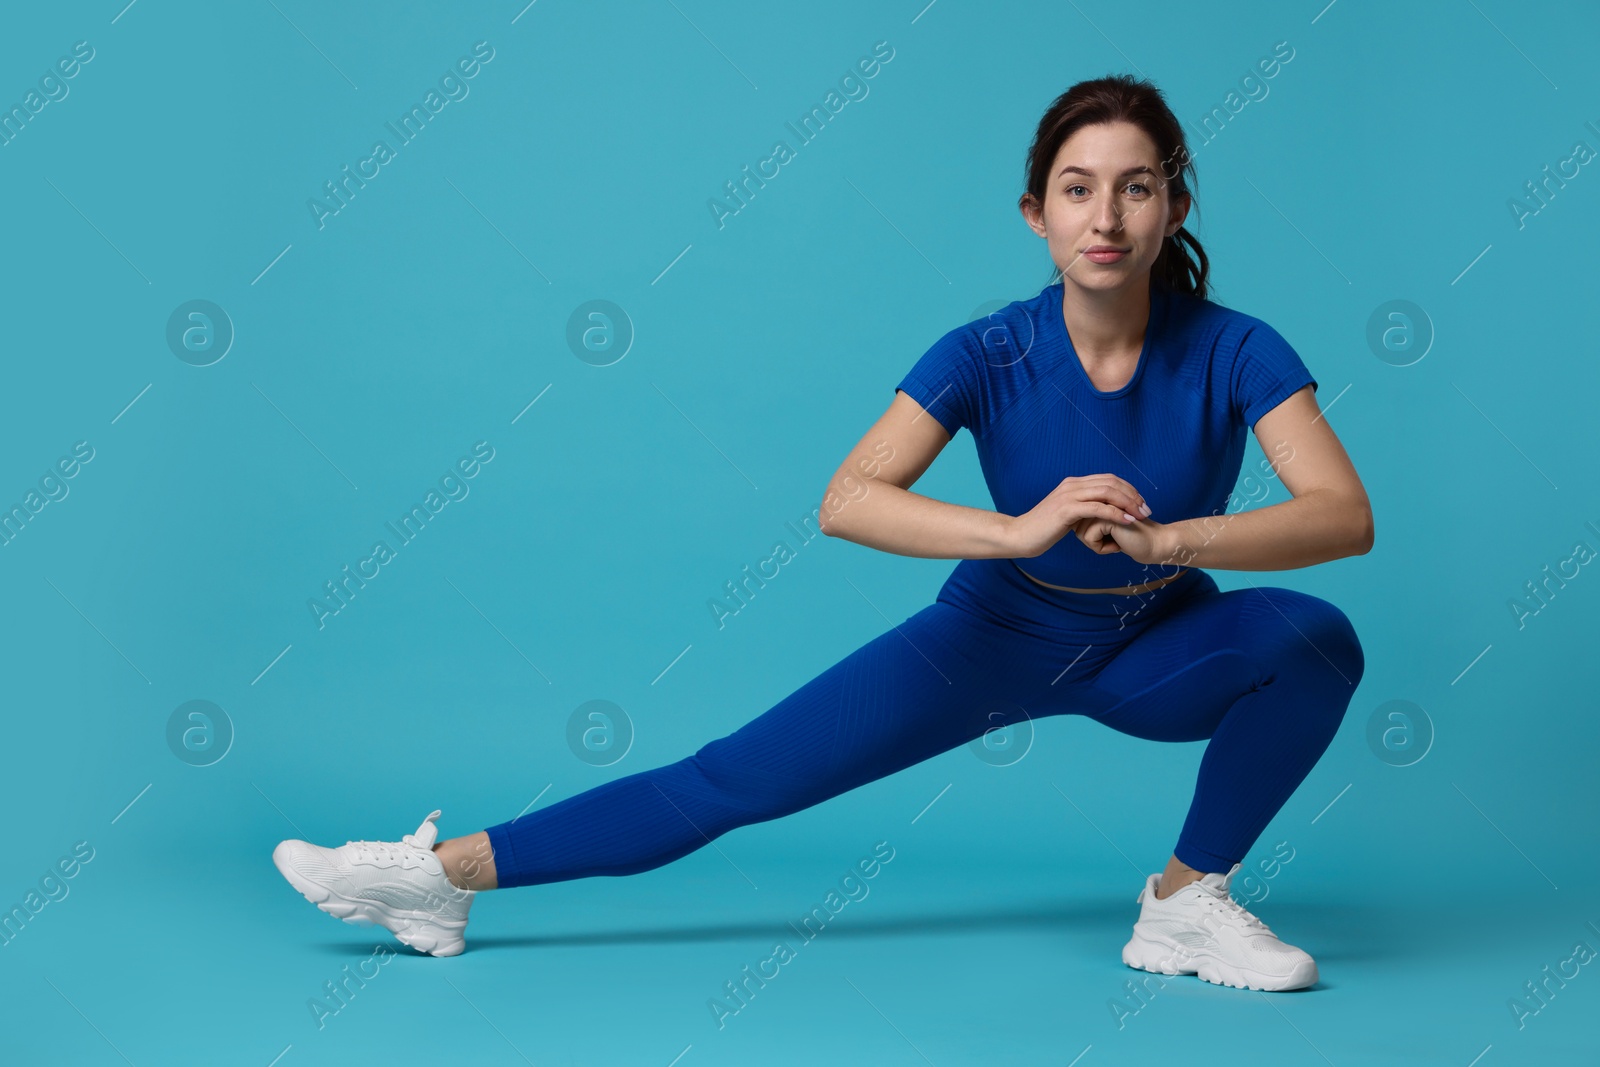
x=1106, y=324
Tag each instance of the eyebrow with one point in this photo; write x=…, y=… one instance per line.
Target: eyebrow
x=1080, y=170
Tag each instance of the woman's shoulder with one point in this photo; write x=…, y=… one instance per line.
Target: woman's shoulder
x=1214, y=325
x=996, y=335
x=1008, y=333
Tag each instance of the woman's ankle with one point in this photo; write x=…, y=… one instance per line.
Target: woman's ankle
x=1166, y=887
x=468, y=862
x=1177, y=875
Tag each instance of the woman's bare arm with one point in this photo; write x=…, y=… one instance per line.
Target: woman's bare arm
x=1328, y=516
x=869, y=500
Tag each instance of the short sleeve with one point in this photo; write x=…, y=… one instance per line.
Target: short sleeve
x=1266, y=371
x=946, y=381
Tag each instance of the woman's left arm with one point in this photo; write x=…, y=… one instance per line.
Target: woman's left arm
x=1328, y=517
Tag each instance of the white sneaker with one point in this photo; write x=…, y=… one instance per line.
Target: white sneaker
x=1203, y=931
x=400, y=885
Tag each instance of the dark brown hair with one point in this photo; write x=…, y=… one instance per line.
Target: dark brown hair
x=1123, y=98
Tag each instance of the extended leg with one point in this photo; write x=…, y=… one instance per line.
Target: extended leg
x=915, y=691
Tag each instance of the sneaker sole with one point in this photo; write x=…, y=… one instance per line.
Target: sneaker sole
x=411, y=928
x=1159, y=958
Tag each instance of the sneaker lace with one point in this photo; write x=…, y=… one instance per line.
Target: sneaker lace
x=1238, y=912
x=381, y=850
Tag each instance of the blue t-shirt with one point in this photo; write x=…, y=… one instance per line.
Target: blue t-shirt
x=1175, y=432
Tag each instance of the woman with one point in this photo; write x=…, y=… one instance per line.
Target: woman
x=1121, y=366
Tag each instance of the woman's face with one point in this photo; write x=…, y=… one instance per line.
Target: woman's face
x=1107, y=189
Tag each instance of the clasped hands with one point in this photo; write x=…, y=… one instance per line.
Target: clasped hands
x=1105, y=512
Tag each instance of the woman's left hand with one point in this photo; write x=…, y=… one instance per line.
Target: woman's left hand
x=1145, y=540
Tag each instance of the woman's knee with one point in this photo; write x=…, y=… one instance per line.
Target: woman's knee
x=1323, y=626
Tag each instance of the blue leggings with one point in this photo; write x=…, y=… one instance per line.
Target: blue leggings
x=1265, y=673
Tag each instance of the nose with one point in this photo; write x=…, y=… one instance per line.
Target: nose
x=1109, y=219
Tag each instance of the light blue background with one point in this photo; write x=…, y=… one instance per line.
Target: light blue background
x=433, y=309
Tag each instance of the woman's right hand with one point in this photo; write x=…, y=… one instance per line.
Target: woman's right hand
x=1092, y=496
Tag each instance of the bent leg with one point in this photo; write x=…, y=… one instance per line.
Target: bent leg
x=1267, y=674
x=915, y=691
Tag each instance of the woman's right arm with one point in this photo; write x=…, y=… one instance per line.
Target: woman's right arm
x=869, y=500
